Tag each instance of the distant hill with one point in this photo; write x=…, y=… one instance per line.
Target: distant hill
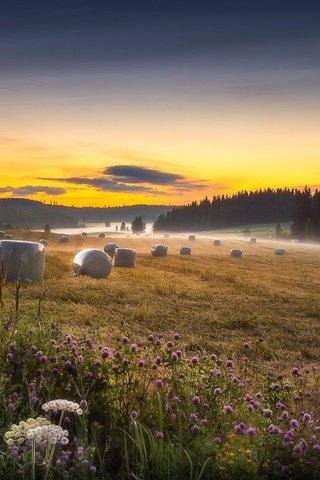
x=243, y=208
x=23, y=213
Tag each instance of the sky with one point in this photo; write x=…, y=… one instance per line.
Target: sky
x=157, y=102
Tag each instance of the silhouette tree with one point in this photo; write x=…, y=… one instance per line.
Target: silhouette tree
x=137, y=225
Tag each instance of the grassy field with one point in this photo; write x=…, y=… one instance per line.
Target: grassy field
x=214, y=301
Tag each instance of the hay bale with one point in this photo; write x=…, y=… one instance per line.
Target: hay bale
x=192, y=237
x=110, y=248
x=22, y=260
x=8, y=236
x=64, y=239
x=216, y=243
x=185, y=251
x=84, y=234
x=166, y=235
x=124, y=257
x=159, y=250
x=236, y=252
x=92, y=262
x=280, y=251
x=2, y=234
x=252, y=240
x=44, y=242
x=101, y=235
x=294, y=240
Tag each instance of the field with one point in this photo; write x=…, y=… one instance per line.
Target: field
x=213, y=300
x=191, y=368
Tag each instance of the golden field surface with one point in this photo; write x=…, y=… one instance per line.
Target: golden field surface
x=214, y=301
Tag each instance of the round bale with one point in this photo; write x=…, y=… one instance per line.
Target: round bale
x=22, y=260
x=280, y=251
x=236, y=252
x=84, y=234
x=159, y=250
x=192, y=237
x=252, y=240
x=294, y=240
x=92, y=262
x=216, y=243
x=44, y=242
x=185, y=251
x=2, y=234
x=101, y=235
x=64, y=239
x=110, y=248
x=124, y=257
x=8, y=236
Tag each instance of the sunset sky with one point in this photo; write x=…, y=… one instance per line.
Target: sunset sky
x=157, y=102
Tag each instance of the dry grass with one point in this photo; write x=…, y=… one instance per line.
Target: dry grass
x=213, y=300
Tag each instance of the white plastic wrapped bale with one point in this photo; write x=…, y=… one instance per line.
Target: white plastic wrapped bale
x=159, y=250
x=64, y=239
x=216, y=243
x=192, y=237
x=101, y=235
x=2, y=234
x=8, y=236
x=84, y=234
x=22, y=260
x=44, y=242
x=110, y=248
x=236, y=253
x=252, y=240
x=92, y=262
x=280, y=251
x=124, y=257
x=185, y=251
x=294, y=240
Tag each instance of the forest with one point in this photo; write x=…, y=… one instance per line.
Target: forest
x=301, y=207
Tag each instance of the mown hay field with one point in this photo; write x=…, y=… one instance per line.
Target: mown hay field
x=215, y=302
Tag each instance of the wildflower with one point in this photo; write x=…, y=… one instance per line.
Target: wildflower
x=213, y=357
x=48, y=433
x=63, y=405
x=159, y=435
x=10, y=357
x=196, y=400
x=93, y=469
x=179, y=353
x=217, y=440
x=204, y=421
x=158, y=360
x=159, y=383
x=239, y=428
x=274, y=429
x=158, y=343
x=169, y=344
x=55, y=371
x=134, y=414
x=141, y=363
x=288, y=436
x=83, y=404
x=229, y=363
x=259, y=395
x=105, y=353
x=181, y=375
x=97, y=363
x=176, y=336
x=316, y=447
x=297, y=449
x=124, y=340
x=89, y=375
x=295, y=371
x=174, y=357
x=176, y=399
x=134, y=347
x=251, y=431
x=267, y=412
x=227, y=409
x=193, y=417
x=150, y=338
x=195, y=428
x=194, y=360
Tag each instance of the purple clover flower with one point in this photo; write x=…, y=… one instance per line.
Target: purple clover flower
x=227, y=409
x=159, y=435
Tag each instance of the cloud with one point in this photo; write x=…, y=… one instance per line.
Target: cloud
x=135, y=179
x=31, y=190
x=135, y=174
x=107, y=185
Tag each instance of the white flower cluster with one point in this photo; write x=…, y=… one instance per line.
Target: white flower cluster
x=18, y=433
x=63, y=405
x=51, y=433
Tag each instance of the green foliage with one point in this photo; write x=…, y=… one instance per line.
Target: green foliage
x=137, y=225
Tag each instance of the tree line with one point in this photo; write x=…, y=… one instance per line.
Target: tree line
x=302, y=207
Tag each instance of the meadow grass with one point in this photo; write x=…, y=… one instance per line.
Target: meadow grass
x=232, y=395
